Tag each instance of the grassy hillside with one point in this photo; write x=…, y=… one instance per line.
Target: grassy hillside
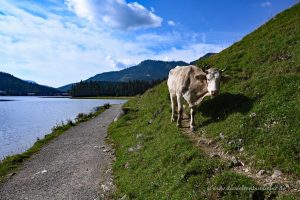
x=259, y=110
x=265, y=67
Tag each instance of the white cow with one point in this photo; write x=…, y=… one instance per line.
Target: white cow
x=192, y=84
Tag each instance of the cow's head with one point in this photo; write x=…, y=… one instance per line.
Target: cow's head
x=214, y=77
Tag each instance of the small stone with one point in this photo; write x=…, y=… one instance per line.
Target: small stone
x=209, y=142
x=105, y=188
x=241, y=149
x=246, y=169
x=130, y=149
x=260, y=172
x=276, y=174
x=139, y=136
x=240, y=140
x=221, y=135
x=44, y=171
x=124, y=197
x=230, y=142
x=252, y=115
x=126, y=166
x=150, y=121
x=139, y=146
x=215, y=155
x=298, y=182
x=234, y=162
x=201, y=141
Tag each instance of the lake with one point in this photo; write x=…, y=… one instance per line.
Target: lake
x=24, y=119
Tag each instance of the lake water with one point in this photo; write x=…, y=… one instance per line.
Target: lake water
x=24, y=119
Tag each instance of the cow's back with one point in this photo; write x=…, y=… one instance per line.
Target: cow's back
x=179, y=78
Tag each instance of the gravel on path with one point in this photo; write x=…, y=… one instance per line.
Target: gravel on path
x=75, y=165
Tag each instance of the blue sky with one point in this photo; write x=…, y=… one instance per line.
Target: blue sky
x=56, y=42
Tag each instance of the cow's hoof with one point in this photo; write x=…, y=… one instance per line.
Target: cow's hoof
x=193, y=129
x=179, y=125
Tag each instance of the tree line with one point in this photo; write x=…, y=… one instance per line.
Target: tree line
x=107, y=88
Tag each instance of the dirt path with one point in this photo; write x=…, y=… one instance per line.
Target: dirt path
x=288, y=183
x=76, y=165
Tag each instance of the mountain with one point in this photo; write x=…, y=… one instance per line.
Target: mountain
x=14, y=86
x=29, y=81
x=146, y=71
x=202, y=58
x=257, y=113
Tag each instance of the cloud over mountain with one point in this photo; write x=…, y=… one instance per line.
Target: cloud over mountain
x=116, y=14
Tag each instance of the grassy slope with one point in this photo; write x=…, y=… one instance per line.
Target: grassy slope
x=167, y=166
x=265, y=68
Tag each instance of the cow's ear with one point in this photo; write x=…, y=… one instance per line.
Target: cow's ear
x=200, y=76
x=225, y=78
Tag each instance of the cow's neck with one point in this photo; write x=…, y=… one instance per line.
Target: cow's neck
x=202, y=94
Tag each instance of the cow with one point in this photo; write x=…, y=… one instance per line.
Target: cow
x=192, y=84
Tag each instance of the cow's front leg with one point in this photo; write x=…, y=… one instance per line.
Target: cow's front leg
x=192, y=122
x=180, y=110
x=173, y=105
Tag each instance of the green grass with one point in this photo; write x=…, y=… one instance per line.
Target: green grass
x=260, y=105
x=11, y=163
x=265, y=70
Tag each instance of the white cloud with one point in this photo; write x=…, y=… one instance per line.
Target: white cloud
x=115, y=13
x=59, y=49
x=266, y=4
x=189, y=53
x=171, y=23
x=119, y=64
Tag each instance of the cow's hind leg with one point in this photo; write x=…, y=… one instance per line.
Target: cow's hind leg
x=192, y=122
x=180, y=110
x=173, y=105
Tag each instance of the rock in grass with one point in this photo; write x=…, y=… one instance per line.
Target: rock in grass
x=126, y=166
x=221, y=135
x=123, y=197
x=235, y=162
x=260, y=172
x=276, y=174
x=139, y=136
x=241, y=149
x=215, y=155
x=131, y=149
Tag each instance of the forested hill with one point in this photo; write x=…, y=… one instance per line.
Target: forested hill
x=107, y=88
x=145, y=71
x=11, y=85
